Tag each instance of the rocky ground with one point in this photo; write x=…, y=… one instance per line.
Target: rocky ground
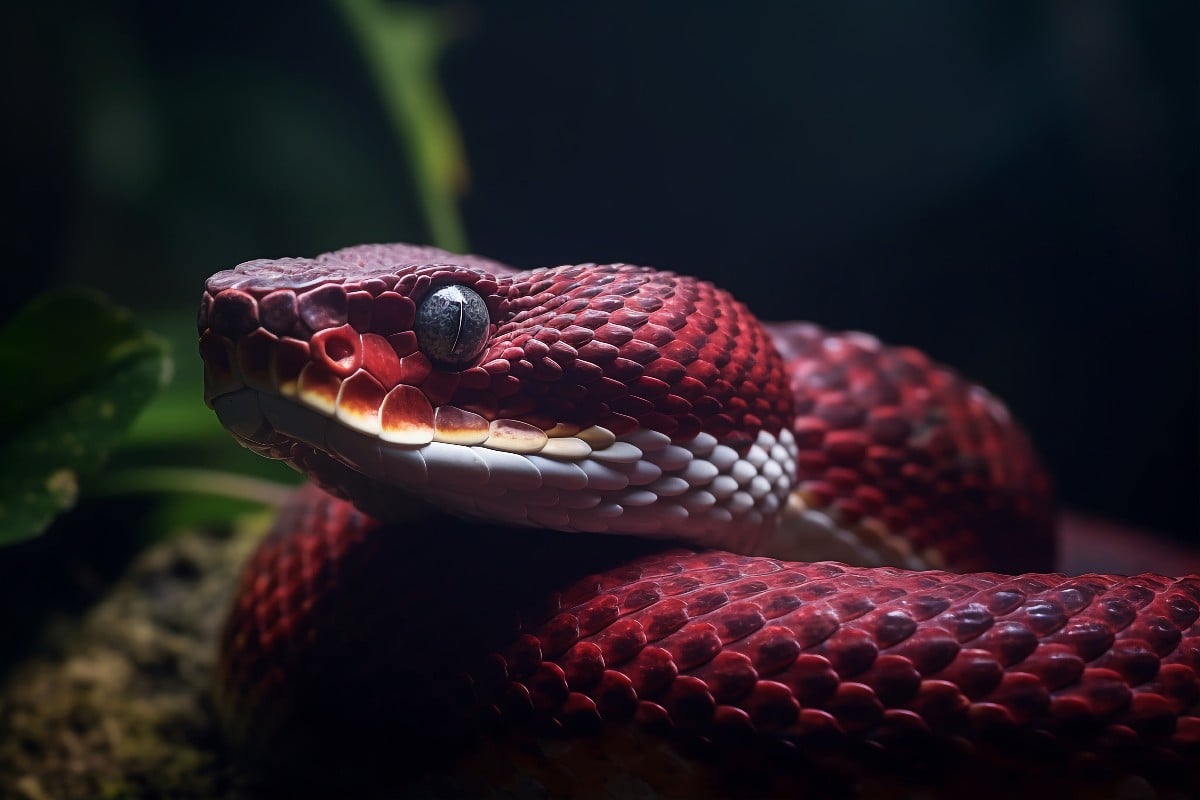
x=115, y=702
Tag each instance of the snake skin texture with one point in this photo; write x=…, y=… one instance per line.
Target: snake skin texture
x=688, y=423
x=909, y=455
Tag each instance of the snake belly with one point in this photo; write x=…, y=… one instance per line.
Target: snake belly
x=604, y=501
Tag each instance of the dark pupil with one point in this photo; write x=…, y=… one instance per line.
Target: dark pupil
x=452, y=325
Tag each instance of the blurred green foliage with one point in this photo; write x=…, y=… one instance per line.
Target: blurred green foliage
x=181, y=172
x=402, y=44
x=79, y=396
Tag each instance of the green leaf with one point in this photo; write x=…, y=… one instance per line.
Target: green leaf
x=177, y=419
x=80, y=371
x=402, y=43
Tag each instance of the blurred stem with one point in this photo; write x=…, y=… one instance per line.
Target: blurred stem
x=402, y=43
x=194, y=481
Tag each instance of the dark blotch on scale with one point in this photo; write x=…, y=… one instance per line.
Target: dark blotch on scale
x=234, y=313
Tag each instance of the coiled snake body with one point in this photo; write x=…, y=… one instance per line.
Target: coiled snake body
x=583, y=401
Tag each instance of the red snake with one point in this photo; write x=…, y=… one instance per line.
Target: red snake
x=752, y=463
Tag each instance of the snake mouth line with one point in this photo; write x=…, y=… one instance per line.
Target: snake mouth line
x=642, y=483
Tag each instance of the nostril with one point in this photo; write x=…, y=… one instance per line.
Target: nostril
x=340, y=349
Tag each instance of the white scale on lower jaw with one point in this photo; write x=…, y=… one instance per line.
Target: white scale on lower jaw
x=642, y=483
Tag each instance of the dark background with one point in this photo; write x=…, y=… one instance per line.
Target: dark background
x=1011, y=187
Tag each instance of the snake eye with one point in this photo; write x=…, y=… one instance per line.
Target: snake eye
x=452, y=325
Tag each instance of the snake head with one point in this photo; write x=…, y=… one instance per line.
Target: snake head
x=606, y=398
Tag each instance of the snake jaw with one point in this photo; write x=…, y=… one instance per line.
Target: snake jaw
x=641, y=485
x=699, y=490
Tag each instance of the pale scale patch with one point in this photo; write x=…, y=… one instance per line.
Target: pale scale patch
x=742, y=472
x=560, y=474
x=457, y=426
x=562, y=430
x=644, y=472
x=699, y=471
x=514, y=436
x=670, y=486
x=619, y=452
x=723, y=458
x=648, y=441
x=597, y=437
x=512, y=471
x=603, y=477
x=759, y=487
x=409, y=463
x=317, y=389
x=772, y=470
x=566, y=447
x=757, y=456
x=286, y=388
x=368, y=424
x=740, y=502
x=406, y=417
x=673, y=458
x=698, y=500
x=450, y=463
x=806, y=534
x=704, y=443
x=723, y=486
